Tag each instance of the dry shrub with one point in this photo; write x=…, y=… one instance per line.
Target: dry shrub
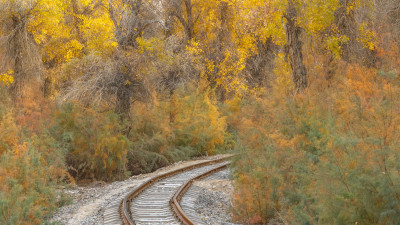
x=198, y=128
x=198, y=123
x=31, y=163
x=328, y=156
x=94, y=144
x=113, y=82
x=27, y=191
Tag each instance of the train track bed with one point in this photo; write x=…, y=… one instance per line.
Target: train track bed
x=96, y=203
x=208, y=201
x=152, y=205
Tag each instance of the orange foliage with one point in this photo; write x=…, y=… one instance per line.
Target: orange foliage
x=329, y=141
x=32, y=110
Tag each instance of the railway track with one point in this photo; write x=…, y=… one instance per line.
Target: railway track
x=157, y=201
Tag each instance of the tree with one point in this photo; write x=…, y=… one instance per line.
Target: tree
x=212, y=41
x=21, y=49
x=300, y=19
x=293, y=49
x=183, y=12
x=132, y=19
x=354, y=24
x=115, y=79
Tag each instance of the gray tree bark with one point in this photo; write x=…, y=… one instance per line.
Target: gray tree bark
x=293, y=49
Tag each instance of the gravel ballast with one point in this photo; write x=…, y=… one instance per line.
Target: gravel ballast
x=213, y=203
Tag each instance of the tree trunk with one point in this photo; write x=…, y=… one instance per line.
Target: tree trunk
x=189, y=28
x=347, y=25
x=260, y=65
x=223, y=34
x=123, y=103
x=77, y=22
x=353, y=50
x=47, y=87
x=22, y=51
x=17, y=54
x=182, y=10
x=223, y=39
x=172, y=112
x=293, y=50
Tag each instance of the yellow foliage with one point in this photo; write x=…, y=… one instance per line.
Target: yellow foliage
x=62, y=38
x=367, y=37
x=152, y=45
x=198, y=117
x=317, y=14
x=98, y=31
x=283, y=72
x=7, y=78
x=194, y=48
x=333, y=44
x=8, y=132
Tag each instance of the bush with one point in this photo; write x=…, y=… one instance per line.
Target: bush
x=199, y=124
x=170, y=131
x=31, y=163
x=99, y=145
x=27, y=187
x=94, y=143
x=322, y=158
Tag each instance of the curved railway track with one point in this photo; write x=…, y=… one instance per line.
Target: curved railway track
x=157, y=201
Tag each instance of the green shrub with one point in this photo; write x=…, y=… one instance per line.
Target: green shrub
x=177, y=129
x=27, y=187
x=95, y=145
x=321, y=158
x=199, y=124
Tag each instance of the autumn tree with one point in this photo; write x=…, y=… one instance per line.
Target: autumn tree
x=116, y=80
x=207, y=29
x=21, y=49
x=301, y=19
x=43, y=34
x=255, y=26
x=346, y=23
x=182, y=11
x=132, y=19
x=293, y=48
x=353, y=28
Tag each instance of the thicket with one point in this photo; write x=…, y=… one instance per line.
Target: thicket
x=42, y=148
x=98, y=146
x=31, y=162
x=327, y=156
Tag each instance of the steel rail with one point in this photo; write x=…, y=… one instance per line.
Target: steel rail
x=126, y=218
x=176, y=199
